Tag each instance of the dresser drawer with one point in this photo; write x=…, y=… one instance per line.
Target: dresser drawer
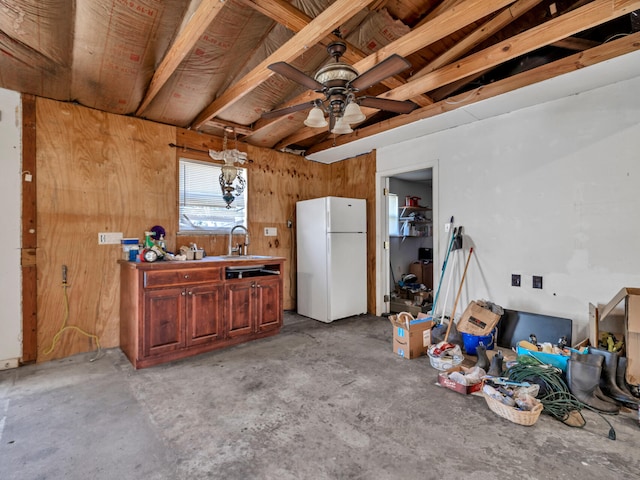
x=168, y=278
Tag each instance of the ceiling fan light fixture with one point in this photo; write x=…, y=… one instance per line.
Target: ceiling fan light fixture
x=316, y=119
x=336, y=73
x=353, y=114
x=341, y=127
x=339, y=82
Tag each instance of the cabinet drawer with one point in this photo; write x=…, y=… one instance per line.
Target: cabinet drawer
x=163, y=278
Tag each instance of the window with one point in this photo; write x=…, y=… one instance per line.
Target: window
x=393, y=215
x=202, y=208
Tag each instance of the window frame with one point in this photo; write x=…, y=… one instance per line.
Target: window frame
x=215, y=230
x=394, y=215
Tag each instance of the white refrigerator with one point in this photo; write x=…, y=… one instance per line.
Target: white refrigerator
x=331, y=235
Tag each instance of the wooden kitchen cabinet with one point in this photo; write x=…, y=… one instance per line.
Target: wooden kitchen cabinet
x=205, y=314
x=178, y=317
x=171, y=310
x=254, y=305
x=162, y=321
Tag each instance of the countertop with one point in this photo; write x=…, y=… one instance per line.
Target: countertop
x=209, y=261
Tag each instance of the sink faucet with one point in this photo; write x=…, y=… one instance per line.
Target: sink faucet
x=238, y=248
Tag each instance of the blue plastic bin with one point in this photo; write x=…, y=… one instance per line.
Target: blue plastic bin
x=554, y=359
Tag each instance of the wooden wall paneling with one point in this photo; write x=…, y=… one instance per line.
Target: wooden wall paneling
x=29, y=238
x=97, y=173
x=276, y=182
x=100, y=172
x=356, y=178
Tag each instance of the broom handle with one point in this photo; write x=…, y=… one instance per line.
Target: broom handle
x=455, y=304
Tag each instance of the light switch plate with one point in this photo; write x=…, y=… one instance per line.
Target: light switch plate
x=270, y=232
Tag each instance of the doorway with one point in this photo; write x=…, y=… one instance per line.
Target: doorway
x=408, y=240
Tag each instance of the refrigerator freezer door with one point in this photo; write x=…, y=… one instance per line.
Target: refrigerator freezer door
x=347, y=275
x=346, y=214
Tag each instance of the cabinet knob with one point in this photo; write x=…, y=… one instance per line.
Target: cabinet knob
x=186, y=275
x=190, y=293
x=183, y=293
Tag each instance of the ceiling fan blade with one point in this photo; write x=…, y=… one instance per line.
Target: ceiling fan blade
x=288, y=110
x=386, y=68
x=292, y=73
x=395, y=106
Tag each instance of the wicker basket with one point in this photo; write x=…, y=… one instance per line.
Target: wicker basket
x=521, y=417
x=444, y=363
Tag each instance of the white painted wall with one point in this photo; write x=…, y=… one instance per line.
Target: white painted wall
x=10, y=275
x=550, y=190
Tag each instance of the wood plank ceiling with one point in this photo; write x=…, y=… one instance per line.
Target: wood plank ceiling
x=203, y=64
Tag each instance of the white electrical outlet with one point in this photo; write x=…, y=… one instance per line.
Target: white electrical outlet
x=109, y=238
x=270, y=232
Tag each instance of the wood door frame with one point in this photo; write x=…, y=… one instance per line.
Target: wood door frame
x=29, y=237
x=382, y=230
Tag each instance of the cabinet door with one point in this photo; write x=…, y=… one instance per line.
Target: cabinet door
x=240, y=307
x=268, y=304
x=163, y=323
x=205, y=310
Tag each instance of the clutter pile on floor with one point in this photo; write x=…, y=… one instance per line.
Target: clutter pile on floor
x=520, y=384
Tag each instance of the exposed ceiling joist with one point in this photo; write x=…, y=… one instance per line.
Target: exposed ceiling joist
x=590, y=15
x=489, y=28
x=565, y=65
x=166, y=61
x=327, y=21
x=295, y=20
x=429, y=32
x=197, y=25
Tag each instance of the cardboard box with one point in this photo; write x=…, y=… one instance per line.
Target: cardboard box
x=422, y=297
x=423, y=272
x=445, y=381
x=629, y=324
x=477, y=320
x=405, y=306
x=416, y=269
x=411, y=336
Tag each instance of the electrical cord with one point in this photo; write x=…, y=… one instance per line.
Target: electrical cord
x=557, y=399
x=66, y=327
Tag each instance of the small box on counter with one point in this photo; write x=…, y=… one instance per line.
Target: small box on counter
x=192, y=254
x=129, y=248
x=411, y=336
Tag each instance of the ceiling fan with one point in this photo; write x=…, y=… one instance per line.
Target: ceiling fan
x=339, y=82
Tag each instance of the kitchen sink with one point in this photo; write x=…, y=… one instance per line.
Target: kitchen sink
x=243, y=271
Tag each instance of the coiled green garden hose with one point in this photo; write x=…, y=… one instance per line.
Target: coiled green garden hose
x=554, y=394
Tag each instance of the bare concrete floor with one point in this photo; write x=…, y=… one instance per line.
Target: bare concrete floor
x=316, y=401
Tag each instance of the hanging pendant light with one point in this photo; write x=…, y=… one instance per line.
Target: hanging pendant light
x=231, y=182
